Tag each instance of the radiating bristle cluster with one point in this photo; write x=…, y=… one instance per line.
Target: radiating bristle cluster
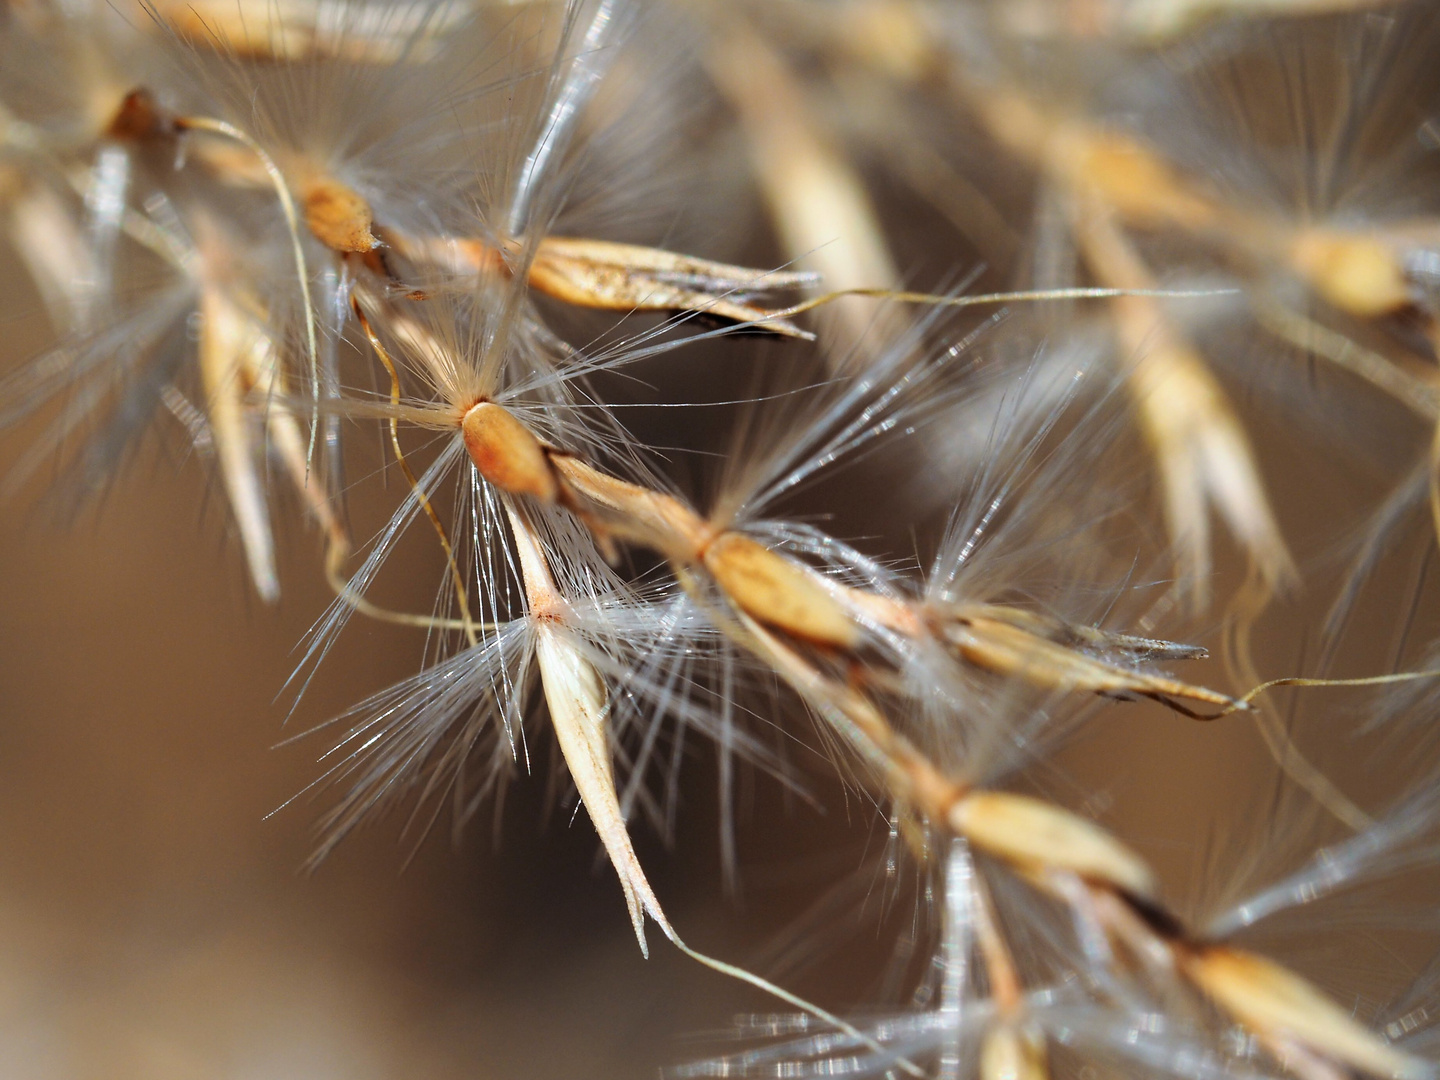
x=951, y=531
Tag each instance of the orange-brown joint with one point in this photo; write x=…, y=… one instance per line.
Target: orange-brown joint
x=507, y=454
x=140, y=117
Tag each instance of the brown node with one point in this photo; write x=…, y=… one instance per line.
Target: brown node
x=339, y=216
x=139, y=117
x=507, y=454
x=1159, y=919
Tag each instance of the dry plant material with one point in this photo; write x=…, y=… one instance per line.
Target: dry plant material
x=624, y=277
x=308, y=30
x=1037, y=836
x=338, y=216
x=506, y=454
x=608, y=276
x=232, y=348
x=1198, y=442
x=578, y=711
x=817, y=201
x=991, y=639
x=1011, y=1052
x=56, y=253
x=778, y=592
x=1362, y=273
x=1287, y=1011
x=1357, y=272
x=940, y=695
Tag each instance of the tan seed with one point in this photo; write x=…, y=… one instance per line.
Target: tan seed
x=507, y=454
x=1272, y=1000
x=776, y=591
x=1357, y=274
x=339, y=216
x=1037, y=835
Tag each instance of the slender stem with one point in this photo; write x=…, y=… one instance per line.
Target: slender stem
x=292, y=222
x=458, y=578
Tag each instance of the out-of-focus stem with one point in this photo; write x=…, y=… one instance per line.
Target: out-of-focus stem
x=817, y=202
x=1187, y=418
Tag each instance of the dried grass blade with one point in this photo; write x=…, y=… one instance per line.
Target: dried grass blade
x=231, y=344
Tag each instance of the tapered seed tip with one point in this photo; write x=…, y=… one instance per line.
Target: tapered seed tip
x=637, y=917
x=1271, y=1000
x=1038, y=835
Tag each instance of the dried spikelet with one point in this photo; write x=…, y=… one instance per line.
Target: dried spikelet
x=338, y=216
x=231, y=347
x=506, y=454
x=819, y=205
x=998, y=645
x=778, y=592
x=1282, y=1007
x=1201, y=449
x=1038, y=835
x=624, y=277
x=616, y=277
x=578, y=712
x=61, y=262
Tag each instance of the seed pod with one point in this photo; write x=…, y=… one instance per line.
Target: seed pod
x=507, y=454
x=776, y=591
x=1038, y=836
x=1013, y=1052
x=1273, y=1001
x=339, y=216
